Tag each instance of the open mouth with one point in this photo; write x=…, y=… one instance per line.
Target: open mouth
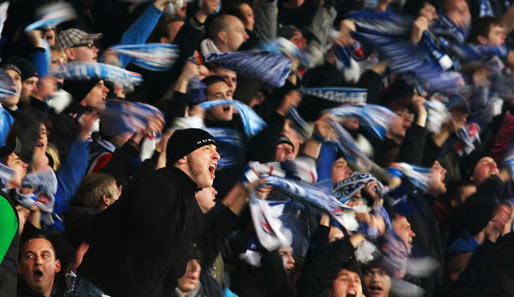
x=226, y=108
x=212, y=170
x=351, y=293
x=39, y=144
x=375, y=290
x=38, y=274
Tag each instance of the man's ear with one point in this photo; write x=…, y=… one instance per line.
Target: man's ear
x=182, y=160
x=57, y=266
x=222, y=36
x=482, y=40
x=106, y=200
x=69, y=53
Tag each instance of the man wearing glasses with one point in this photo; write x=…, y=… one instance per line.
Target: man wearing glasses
x=79, y=45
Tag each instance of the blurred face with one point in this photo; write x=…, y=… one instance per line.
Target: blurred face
x=458, y=12
x=49, y=36
x=191, y=278
x=11, y=102
x=247, y=13
x=284, y=152
x=15, y=163
x=202, y=164
x=377, y=282
x=347, y=283
x=235, y=35
x=484, y=168
x=219, y=90
x=42, y=141
x=402, y=227
x=97, y=97
x=206, y=198
x=286, y=253
x=437, y=186
x=28, y=88
x=38, y=265
x=340, y=170
x=229, y=76
x=428, y=11
x=401, y=123
x=298, y=40
x=496, y=36
x=86, y=52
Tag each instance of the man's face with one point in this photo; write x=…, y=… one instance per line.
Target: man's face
x=428, y=10
x=191, y=278
x=298, y=40
x=484, y=168
x=15, y=163
x=284, y=152
x=340, y=170
x=38, y=265
x=458, y=12
x=224, y=113
x=346, y=284
x=229, y=76
x=437, y=186
x=42, y=141
x=247, y=13
x=402, y=227
x=29, y=88
x=86, y=52
x=286, y=252
x=97, y=97
x=496, y=36
x=206, y=198
x=377, y=282
x=16, y=78
x=236, y=34
x=202, y=164
x=401, y=123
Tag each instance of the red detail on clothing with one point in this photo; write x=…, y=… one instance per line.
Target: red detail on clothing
x=101, y=161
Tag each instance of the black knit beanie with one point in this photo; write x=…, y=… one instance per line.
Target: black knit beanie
x=182, y=142
x=79, y=88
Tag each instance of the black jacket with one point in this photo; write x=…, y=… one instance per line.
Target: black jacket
x=145, y=237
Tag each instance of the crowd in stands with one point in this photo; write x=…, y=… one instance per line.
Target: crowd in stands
x=256, y=148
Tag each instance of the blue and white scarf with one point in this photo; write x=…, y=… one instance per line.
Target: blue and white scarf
x=91, y=70
x=267, y=67
x=44, y=184
x=353, y=96
x=444, y=27
x=150, y=56
x=124, y=116
x=346, y=188
x=51, y=15
x=7, y=87
x=420, y=177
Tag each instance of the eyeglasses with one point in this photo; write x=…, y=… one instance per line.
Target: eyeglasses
x=88, y=45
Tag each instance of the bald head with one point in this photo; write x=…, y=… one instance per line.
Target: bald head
x=227, y=32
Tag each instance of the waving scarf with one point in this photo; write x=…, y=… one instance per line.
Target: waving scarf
x=151, y=56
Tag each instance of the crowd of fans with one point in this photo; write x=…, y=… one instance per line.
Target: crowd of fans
x=115, y=188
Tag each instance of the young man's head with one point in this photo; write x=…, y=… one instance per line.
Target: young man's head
x=191, y=278
x=487, y=31
x=227, y=32
x=91, y=93
x=25, y=76
x=402, y=227
x=79, y=45
x=285, y=149
x=347, y=282
x=38, y=264
x=458, y=12
x=376, y=281
x=97, y=191
x=217, y=88
x=340, y=170
x=229, y=76
x=194, y=152
x=286, y=252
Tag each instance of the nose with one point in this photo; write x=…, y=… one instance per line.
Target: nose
x=214, y=192
x=411, y=233
x=246, y=35
x=195, y=267
x=290, y=259
x=216, y=155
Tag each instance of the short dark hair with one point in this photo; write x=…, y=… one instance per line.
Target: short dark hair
x=162, y=28
x=219, y=23
x=209, y=80
x=92, y=188
x=481, y=27
x=36, y=236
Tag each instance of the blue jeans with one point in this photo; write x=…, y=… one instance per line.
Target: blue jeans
x=77, y=286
